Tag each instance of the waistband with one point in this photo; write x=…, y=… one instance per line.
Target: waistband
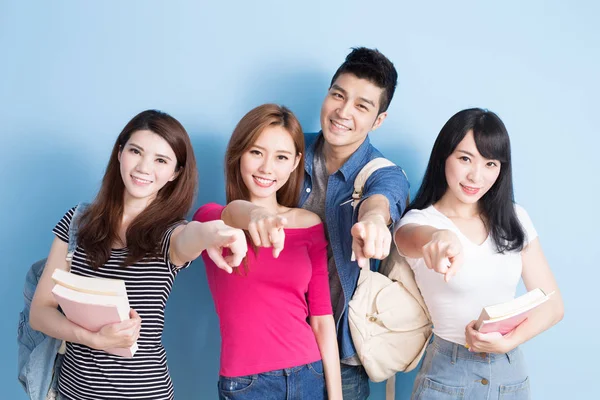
x=455, y=350
x=280, y=372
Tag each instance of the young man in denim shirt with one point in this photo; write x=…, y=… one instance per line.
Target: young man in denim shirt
x=356, y=104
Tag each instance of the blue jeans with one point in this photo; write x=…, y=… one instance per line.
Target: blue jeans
x=305, y=382
x=355, y=382
x=450, y=371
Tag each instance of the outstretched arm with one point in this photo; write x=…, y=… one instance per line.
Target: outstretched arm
x=190, y=240
x=440, y=248
x=265, y=227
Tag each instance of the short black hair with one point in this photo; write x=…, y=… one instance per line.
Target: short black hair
x=373, y=66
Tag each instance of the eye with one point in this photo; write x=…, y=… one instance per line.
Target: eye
x=492, y=164
x=337, y=95
x=161, y=160
x=255, y=152
x=133, y=150
x=464, y=158
x=282, y=158
x=363, y=107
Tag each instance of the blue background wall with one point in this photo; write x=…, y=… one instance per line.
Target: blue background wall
x=73, y=73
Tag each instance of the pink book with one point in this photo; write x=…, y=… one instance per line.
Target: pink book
x=505, y=317
x=92, y=310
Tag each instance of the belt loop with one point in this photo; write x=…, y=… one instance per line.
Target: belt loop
x=454, y=352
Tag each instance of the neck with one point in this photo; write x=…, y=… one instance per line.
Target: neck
x=336, y=156
x=270, y=203
x=133, y=207
x=452, y=207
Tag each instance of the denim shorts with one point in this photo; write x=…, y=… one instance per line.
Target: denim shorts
x=450, y=371
x=305, y=382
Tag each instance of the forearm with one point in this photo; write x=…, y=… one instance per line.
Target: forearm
x=375, y=207
x=53, y=323
x=324, y=330
x=238, y=213
x=188, y=244
x=541, y=319
x=411, y=238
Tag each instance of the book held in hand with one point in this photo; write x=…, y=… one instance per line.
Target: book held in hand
x=505, y=317
x=93, y=303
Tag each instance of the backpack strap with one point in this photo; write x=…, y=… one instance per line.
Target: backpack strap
x=73, y=228
x=364, y=174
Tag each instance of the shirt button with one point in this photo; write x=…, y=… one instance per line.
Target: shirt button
x=307, y=190
x=372, y=319
x=484, y=381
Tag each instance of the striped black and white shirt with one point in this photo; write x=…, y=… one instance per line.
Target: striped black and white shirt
x=89, y=374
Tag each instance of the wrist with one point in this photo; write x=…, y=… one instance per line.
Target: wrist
x=90, y=339
x=375, y=218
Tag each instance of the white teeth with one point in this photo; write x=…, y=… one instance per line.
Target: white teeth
x=263, y=180
x=141, y=180
x=339, y=126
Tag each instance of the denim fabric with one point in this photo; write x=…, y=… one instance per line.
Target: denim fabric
x=390, y=182
x=450, y=371
x=355, y=382
x=38, y=361
x=305, y=382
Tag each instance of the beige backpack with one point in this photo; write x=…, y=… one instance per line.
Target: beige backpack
x=389, y=322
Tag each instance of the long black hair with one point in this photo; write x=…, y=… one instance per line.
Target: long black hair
x=492, y=141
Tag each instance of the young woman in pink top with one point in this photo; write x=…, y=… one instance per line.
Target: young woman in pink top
x=278, y=337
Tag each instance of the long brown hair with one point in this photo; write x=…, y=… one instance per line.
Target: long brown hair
x=99, y=224
x=245, y=135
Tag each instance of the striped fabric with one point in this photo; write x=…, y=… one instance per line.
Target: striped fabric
x=89, y=374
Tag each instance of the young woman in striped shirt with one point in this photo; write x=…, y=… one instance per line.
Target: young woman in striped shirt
x=134, y=230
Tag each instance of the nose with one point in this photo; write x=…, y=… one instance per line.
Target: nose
x=144, y=165
x=344, y=110
x=475, y=173
x=266, y=167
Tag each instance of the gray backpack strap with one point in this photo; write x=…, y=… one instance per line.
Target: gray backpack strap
x=73, y=228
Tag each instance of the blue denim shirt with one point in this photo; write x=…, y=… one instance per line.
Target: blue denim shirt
x=38, y=361
x=390, y=182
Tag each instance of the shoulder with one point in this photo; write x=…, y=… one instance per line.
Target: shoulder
x=521, y=212
x=208, y=212
x=426, y=216
x=301, y=218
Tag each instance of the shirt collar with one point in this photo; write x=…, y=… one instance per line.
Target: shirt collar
x=352, y=164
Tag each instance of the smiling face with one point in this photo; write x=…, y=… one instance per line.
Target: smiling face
x=147, y=164
x=350, y=111
x=469, y=175
x=266, y=166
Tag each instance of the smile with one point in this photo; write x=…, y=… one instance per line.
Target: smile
x=469, y=190
x=140, y=181
x=263, y=182
x=339, y=126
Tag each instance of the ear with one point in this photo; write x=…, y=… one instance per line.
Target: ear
x=379, y=120
x=175, y=175
x=119, y=153
x=297, y=161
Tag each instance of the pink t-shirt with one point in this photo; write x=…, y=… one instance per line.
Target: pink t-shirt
x=263, y=312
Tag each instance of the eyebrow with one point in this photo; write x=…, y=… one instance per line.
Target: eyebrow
x=142, y=149
x=363, y=99
x=278, y=151
x=466, y=152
